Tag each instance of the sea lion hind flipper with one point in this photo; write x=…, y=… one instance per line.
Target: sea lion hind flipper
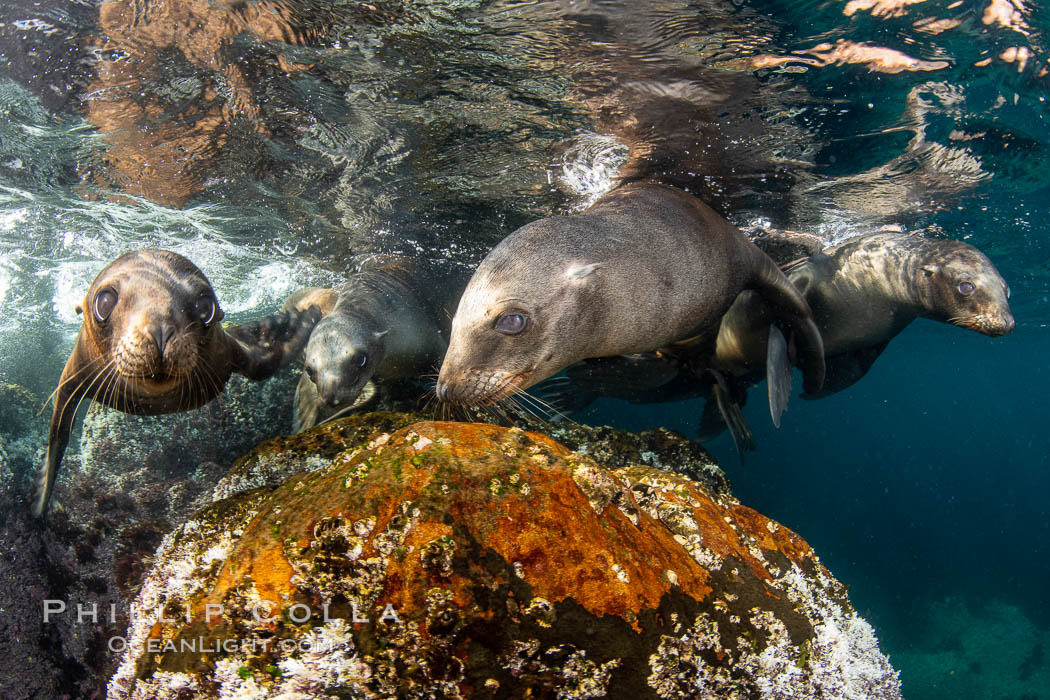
x=845, y=370
x=262, y=347
x=778, y=374
x=322, y=297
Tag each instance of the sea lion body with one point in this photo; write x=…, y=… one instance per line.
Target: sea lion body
x=645, y=267
x=864, y=292
x=152, y=342
x=390, y=320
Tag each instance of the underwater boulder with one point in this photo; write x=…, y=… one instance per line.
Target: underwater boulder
x=470, y=560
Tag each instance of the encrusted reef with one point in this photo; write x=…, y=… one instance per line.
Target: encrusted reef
x=470, y=560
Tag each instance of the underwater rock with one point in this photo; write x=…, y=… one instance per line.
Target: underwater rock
x=132, y=480
x=471, y=560
x=274, y=461
x=22, y=430
x=164, y=466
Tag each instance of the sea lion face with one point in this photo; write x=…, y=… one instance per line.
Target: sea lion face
x=964, y=288
x=341, y=356
x=519, y=321
x=149, y=317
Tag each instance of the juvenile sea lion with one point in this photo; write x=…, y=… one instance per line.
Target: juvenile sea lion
x=864, y=292
x=390, y=320
x=152, y=342
x=644, y=267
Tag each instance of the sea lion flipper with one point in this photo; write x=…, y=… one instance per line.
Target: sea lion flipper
x=322, y=297
x=733, y=416
x=262, y=347
x=778, y=374
x=712, y=424
x=845, y=370
x=306, y=405
x=790, y=307
x=67, y=400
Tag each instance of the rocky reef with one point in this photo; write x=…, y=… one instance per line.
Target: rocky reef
x=129, y=481
x=377, y=557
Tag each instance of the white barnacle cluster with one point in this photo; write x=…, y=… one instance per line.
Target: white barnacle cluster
x=844, y=653
x=577, y=677
x=840, y=660
x=599, y=486
x=265, y=470
x=327, y=661
x=310, y=665
x=583, y=678
x=188, y=560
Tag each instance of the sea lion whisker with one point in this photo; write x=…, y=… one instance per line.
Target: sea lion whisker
x=345, y=410
x=105, y=392
x=499, y=413
x=72, y=377
x=517, y=409
x=548, y=407
x=214, y=386
x=86, y=393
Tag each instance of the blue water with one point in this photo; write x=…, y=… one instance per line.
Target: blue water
x=278, y=152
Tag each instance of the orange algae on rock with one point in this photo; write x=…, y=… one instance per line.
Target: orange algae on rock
x=462, y=560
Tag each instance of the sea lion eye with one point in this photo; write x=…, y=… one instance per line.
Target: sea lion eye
x=105, y=301
x=205, y=309
x=361, y=360
x=510, y=324
x=966, y=288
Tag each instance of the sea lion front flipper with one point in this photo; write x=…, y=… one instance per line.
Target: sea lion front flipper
x=306, y=405
x=732, y=416
x=260, y=348
x=67, y=401
x=712, y=424
x=778, y=373
x=845, y=370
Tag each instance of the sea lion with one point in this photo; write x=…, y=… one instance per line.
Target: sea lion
x=152, y=342
x=864, y=292
x=390, y=320
x=644, y=267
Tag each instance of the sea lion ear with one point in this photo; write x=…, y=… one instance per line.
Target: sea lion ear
x=577, y=272
x=931, y=269
x=380, y=334
x=79, y=309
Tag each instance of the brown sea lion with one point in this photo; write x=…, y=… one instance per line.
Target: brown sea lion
x=644, y=267
x=390, y=320
x=864, y=292
x=152, y=342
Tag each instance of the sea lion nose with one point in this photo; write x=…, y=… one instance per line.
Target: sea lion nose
x=1008, y=324
x=162, y=335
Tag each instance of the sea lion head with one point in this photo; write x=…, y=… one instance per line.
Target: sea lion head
x=149, y=319
x=526, y=314
x=342, y=354
x=152, y=342
x=962, y=287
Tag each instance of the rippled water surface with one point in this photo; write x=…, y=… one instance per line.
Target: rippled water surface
x=278, y=142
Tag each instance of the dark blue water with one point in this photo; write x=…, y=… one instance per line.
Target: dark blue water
x=275, y=153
